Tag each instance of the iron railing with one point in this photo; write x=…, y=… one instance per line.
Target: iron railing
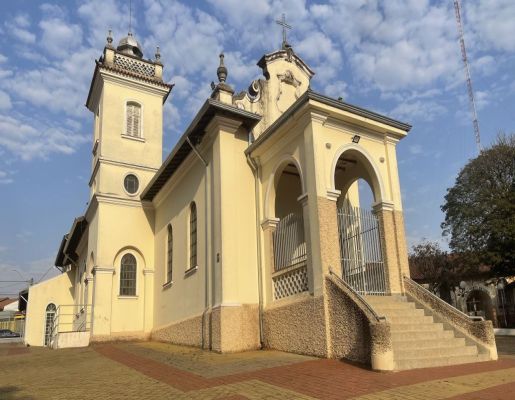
x=69, y=318
x=289, y=243
x=360, y=250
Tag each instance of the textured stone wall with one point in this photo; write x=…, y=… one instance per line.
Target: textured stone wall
x=223, y=329
x=349, y=327
x=235, y=328
x=388, y=239
x=296, y=325
x=402, y=247
x=356, y=332
x=329, y=237
x=187, y=332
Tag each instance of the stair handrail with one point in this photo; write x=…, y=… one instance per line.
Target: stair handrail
x=361, y=299
x=437, y=299
x=481, y=330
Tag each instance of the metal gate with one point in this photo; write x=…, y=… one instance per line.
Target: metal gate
x=360, y=250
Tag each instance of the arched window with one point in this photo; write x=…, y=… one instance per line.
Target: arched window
x=169, y=259
x=128, y=275
x=133, y=114
x=49, y=323
x=193, y=235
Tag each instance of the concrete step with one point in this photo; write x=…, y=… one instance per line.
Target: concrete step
x=385, y=299
x=394, y=305
x=438, y=361
x=420, y=327
x=401, y=312
x=409, y=319
x=420, y=335
x=427, y=343
x=411, y=354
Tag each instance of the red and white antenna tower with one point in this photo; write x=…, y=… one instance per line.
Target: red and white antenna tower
x=472, y=101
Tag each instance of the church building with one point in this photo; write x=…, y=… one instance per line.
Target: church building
x=250, y=233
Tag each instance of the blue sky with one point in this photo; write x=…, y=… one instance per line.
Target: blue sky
x=400, y=58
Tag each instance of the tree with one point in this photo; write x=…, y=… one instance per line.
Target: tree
x=428, y=263
x=480, y=209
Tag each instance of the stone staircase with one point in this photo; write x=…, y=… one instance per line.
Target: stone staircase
x=418, y=340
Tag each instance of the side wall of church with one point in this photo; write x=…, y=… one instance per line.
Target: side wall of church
x=179, y=304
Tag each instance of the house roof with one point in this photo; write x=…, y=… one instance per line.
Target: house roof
x=5, y=302
x=195, y=133
x=341, y=105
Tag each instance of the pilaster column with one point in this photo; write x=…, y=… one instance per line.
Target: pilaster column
x=328, y=233
x=102, y=301
x=148, y=300
x=393, y=244
x=269, y=225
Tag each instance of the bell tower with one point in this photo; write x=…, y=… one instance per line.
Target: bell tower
x=126, y=96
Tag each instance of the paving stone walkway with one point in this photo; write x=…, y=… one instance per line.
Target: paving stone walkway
x=150, y=370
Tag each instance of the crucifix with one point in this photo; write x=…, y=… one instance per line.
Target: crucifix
x=285, y=26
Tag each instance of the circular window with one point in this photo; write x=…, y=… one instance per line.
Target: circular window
x=131, y=184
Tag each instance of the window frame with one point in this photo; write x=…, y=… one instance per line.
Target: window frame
x=169, y=254
x=193, y=236
x=139, y=184
x=126, y=133
x=133, y=292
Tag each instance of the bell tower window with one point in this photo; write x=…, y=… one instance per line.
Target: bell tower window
x=133, y=122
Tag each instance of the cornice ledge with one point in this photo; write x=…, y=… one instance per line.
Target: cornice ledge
x=333, y=194
x=269, y=223
x=384, y=205
x=103, y=270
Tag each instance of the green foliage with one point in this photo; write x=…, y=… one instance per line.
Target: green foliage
x=480, y=209
x=430, y=264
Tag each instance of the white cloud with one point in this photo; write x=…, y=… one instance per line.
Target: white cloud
x=5, y=178
x=59, y=38
x=33, y=139
x=17, y=27
x=5, y=101
x=418, y=110
x=489, y=24
x=100, y=16
x=3, y=58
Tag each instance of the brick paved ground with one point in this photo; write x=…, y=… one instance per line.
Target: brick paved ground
x=152, y=370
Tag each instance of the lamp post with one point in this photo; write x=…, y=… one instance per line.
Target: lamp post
x=500, y=288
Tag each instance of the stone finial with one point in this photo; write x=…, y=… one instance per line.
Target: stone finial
x=158, y=55
x=221, y=70
x=110, y=38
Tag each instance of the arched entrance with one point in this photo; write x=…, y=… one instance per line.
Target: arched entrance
x=289, y=273
x=50, y=316
x=479, y=304
x=361, y=253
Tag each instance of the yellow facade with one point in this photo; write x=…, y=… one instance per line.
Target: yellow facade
x=248, y=164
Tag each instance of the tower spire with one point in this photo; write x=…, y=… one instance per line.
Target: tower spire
x=130, y=17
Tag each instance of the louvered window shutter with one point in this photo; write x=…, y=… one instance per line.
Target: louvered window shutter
x=133, y=120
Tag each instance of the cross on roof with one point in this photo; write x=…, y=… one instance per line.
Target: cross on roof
x=285, y=26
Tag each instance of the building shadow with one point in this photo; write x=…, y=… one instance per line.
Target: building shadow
x=10, y=393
